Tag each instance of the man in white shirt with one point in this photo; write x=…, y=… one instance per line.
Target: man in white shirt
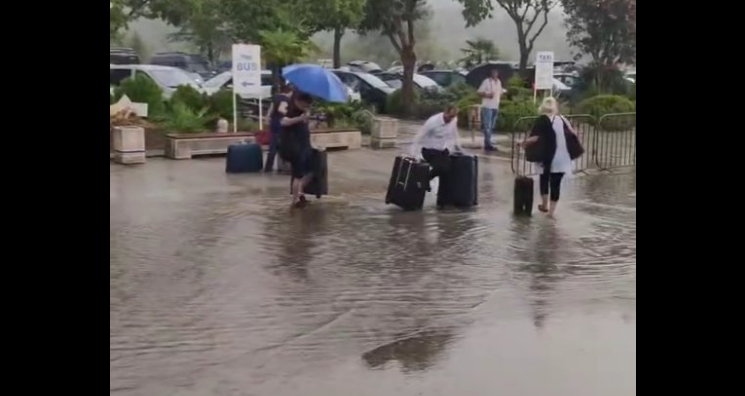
x=491, y=93
x=437, y=139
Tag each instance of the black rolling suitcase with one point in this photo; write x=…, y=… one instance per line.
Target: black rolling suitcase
x=460, y=188
x=319, y=184
x=319, y=167
x=409, y=183
x=524, y=195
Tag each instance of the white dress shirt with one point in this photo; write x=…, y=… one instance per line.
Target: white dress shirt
x=491, y=86
x=437, y=135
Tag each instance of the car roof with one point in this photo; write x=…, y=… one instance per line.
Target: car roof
x=144, y=67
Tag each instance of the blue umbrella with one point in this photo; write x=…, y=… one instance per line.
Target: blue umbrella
x=317, y=81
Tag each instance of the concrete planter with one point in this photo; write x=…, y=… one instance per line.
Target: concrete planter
x=129, y=145
x=385, y=128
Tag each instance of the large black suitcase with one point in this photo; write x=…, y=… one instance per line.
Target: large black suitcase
x=244, y=158
x=319, y=165
x=460, y=187
x=409, y=183
x=524, y=196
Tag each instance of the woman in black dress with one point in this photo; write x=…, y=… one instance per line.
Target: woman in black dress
x=294, y=145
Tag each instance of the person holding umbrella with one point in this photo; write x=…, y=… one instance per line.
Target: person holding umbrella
x=295, y=147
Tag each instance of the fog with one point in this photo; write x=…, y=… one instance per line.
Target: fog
x=446, y=28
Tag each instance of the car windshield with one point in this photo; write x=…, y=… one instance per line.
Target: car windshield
x=374, y=81
x=172, y=78
x=424, y=82
x=395, y=84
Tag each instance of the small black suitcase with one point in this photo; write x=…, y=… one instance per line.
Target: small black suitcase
x=524, y=196
x=409, y=184
x=319, y=184
x=460, y=187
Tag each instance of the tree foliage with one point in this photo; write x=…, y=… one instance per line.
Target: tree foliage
x=397, y=19
x=478, y=52
x=117, y=19
x=202, y=24
x=603, y=29
x=336, y=16
x=530, y=17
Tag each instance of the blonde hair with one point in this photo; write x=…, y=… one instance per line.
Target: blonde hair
x=549, y=106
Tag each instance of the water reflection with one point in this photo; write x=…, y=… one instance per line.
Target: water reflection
x=417, y=352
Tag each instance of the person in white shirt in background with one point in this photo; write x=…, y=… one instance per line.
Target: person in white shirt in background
x=491, y=94
x=436, y=140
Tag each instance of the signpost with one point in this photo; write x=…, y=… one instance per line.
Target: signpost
x=247, y=78
x=544, y=73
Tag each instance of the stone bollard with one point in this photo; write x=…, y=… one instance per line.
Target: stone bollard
x=223, y=126
x=384, y=133
x=129, y=145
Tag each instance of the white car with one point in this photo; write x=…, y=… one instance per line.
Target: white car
x=168, y=78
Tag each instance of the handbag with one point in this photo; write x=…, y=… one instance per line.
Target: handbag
x=574, y=146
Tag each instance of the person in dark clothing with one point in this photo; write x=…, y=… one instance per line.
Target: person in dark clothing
x=294, y=144
x=280, y=104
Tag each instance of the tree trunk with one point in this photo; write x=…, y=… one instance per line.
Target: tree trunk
x=338, y=35
x=522, y=41
x=210, y=54
x=408, y=58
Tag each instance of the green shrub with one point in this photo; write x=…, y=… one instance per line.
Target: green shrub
x=142, y=89
x=182, y=119
x=510, y=112
x=363, y=120
x=394, y=105
x=599, y=106
x=602, y=79
x=189, y=96
x=221, y=104
x=247, y=125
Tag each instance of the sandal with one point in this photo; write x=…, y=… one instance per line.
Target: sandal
x=542, y=208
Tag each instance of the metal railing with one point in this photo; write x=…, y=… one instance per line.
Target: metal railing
x=616, y=143
x=609, y=142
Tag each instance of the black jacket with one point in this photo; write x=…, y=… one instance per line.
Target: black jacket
x=544, y=150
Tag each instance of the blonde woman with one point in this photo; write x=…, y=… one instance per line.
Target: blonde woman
x=552, y=146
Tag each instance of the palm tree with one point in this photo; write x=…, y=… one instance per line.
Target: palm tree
x=479, y=51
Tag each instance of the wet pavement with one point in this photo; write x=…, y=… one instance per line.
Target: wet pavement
x=216, y=288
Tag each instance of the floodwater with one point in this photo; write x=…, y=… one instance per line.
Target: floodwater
x=216, y=288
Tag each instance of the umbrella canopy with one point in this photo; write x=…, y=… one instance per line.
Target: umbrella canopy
x=477, y=76
x=317, y=81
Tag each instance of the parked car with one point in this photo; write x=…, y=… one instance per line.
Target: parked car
x=420, y=81
x=446, y=78
x=364, y=67
x=569, y=79
x=167, y=78
x=187, y=62
x=225, y=81
x=371, y=89
x=123, y=56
